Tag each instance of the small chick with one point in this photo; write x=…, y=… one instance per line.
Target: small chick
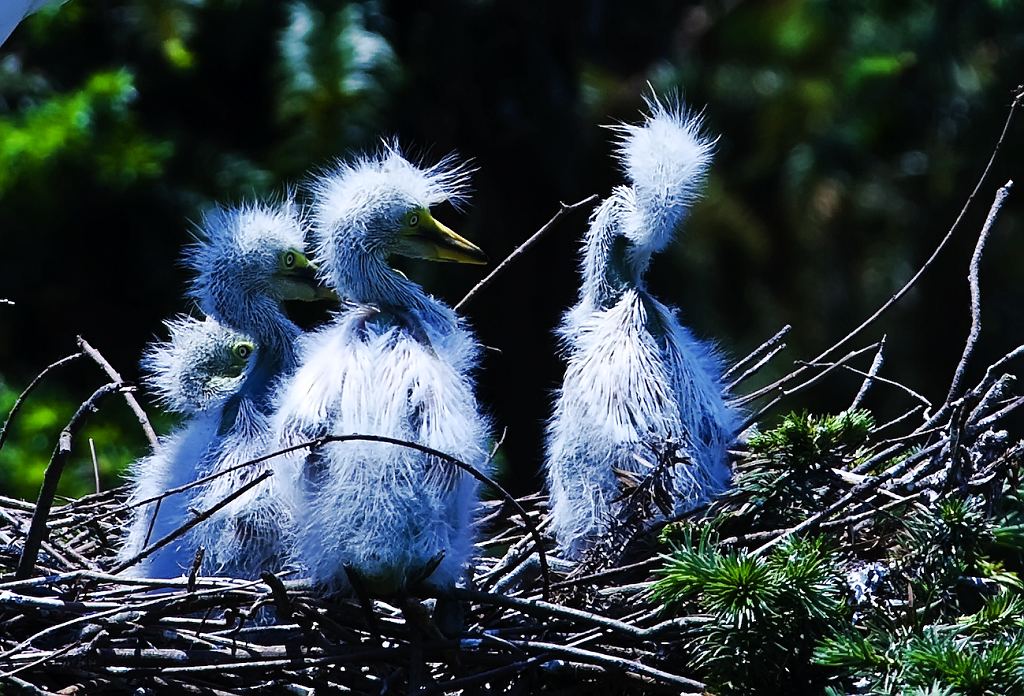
x=636, y=379
x=194, y=372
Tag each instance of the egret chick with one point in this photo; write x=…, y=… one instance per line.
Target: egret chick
x=248, y=261
x=636, y=379
x=398, y=363
x=194, y=372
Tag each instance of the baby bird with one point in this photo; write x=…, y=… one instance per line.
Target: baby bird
x=635, y=378
x=396, y=362
x=194, y=372
x=248, y=260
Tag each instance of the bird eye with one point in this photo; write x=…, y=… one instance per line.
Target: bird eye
x=414, y=219
x=289, y=259
x=243, y=351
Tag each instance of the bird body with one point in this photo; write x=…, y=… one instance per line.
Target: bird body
x=248, y=260
x=194, y=373
x=397, y=363
x=636, y=379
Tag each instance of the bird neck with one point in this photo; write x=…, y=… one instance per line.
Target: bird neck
x=368, y=279
x=610, y=267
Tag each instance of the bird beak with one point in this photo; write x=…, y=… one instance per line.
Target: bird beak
x=435, y=241
x=300, y=283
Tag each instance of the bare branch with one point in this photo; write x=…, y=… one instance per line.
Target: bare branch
x=28, y=390
x=973, y=278
x=522, y=248
x=51, y=477
x=133, y=403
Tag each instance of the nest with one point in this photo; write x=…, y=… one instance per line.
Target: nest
x=525, y=624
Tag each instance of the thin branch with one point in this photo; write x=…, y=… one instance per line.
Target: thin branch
x=28, y=390
x=133, y=403
x=180, y=531
x=522, y=248
x=757, y=352
x=973, y=278
x=869, y=378
x=51, y=477
x=1017, y=98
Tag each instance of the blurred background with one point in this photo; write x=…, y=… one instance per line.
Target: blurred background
x=850, y=134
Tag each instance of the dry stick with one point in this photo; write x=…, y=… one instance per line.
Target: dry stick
x=973, y=276
x=326, y=439
x=869, y=379
x=51, y=477
x=149, y=550
x=95, y=464
x=28, y=390
x=609, y=661
x=750, y=372
x=757, y=352
x=1017, y=98
x=521, y=249
x=132, y=402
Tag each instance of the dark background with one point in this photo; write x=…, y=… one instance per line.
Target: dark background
x=850, y=136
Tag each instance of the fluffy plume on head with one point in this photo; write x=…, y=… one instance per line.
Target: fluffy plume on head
x=666, y=158
x=197, y=366
x=236, y=246
x=369, y=185
x=386, y=176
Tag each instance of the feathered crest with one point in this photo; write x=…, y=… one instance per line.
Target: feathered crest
x=665, y=158
x=228, y=234
x=196, y=366
x=351, y=185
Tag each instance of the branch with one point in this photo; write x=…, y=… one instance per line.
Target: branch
x=522, y=248
x=756, y=353
x=973, y=276
x=133, y=403
x=37, y=529
x=180, y=531
x=869, y=378
x=28, y=390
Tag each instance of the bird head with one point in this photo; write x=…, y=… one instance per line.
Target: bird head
x=665, y=158
x=380, y=205
x=202, y=363
x=249, y=255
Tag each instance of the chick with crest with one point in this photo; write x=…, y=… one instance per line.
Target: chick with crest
x=395, y=362
x=248, y=261
x=636, y=379
x=193, y=373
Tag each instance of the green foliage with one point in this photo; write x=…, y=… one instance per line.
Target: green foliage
x=33, y=435
x=94, y=122
x=791, y=463
x=766, y=611
x=982, y=655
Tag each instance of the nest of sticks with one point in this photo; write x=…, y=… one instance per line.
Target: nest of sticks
x=69, y=624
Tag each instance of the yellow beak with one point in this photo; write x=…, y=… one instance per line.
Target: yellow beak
x=435, y=241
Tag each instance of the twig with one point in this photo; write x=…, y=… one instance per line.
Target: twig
x=522, y=248
x=51, y=477
x=28, y=390
x=757, y=352
x=751, y=371
x=95, y=464
x=869, y=378
x=206, y=514
x=133, y=403
x=1017, y=98
x=973, y=278
x=618, y=663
